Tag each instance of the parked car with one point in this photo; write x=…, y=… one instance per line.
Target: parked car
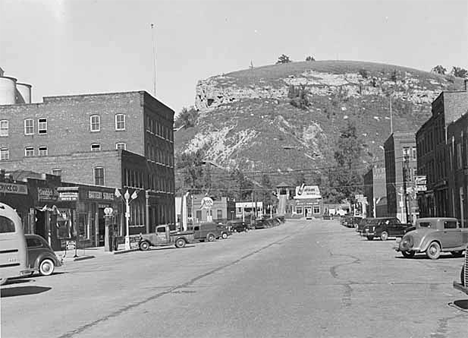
x=207, y=231
x=434, y=235
x=463, y=285
x=350, y=221
x=385, y=228
x=41, y=257
x=261, y=223
x=238, y=225
x=364, y=222
x=225, y=230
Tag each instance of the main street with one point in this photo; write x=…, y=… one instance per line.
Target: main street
x=300, y=279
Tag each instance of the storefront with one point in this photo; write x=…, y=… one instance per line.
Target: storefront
x=79, y=214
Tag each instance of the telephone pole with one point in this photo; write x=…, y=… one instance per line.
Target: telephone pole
x=154, y=60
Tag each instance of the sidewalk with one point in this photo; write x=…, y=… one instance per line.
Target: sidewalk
x=89, y=253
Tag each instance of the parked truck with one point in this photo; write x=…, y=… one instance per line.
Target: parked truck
x=163, y=236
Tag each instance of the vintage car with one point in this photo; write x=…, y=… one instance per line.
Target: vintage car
x=384, y=228
x=365, y=222
x=434, y=235
x=350, y=221
x=463, y=285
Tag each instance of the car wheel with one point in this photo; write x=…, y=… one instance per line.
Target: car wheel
x=210, y=238
x=433, y=250
x=3, y=280
x=408, y=254
x=47, y=267
x=144, y=246
x=370, y=238
x=224, y=235
x=179, y=243
x=384, y=236
x=457, y=253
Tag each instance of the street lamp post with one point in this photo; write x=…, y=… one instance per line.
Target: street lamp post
x=127, y=198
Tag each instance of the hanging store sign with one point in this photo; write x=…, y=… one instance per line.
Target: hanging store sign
x=11, y=188
x=68, y=196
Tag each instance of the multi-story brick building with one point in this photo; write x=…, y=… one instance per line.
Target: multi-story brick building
x=433, y=156
x=400, y=169
x=118, y=140
x=376, y=192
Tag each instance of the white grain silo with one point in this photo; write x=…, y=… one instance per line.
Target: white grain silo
x=7, y=90
x=23, y=92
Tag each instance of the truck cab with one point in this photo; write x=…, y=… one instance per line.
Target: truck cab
x=163, y=236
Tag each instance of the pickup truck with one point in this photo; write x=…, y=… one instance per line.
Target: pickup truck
x=163, y=236
x=463, y=285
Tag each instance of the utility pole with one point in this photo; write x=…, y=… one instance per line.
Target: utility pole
x=154, y=60
x=405, y=187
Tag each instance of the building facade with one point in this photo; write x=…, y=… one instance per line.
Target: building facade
x=375, y=190
x=120, y=141
x=434, y=149
x=400, y=170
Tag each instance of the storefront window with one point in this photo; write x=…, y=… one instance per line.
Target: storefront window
x=316, y=209
x=299, y=210
x=82, y=225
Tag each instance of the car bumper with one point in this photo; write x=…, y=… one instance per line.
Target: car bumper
x=460, y=287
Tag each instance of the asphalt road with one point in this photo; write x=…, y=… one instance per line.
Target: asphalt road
x=301, y=279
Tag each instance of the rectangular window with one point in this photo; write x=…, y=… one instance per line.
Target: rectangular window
x=42, y=126
x=4, y=154
x=121, y=145
x=43, y=151
x=95, y=147
x=99, y=176
x=120, y=122
x=316, y=209
x=29, y=127
x=28, y=151
x=406, y=151
x=459, y=156
x=57, y=172
x=414, y=153
x=3, y=127
x=95, y=123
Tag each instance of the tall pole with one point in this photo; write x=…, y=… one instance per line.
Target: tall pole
x=405, y=177
x=154, y=60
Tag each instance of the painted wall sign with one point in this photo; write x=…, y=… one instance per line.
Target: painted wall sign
x=46, y=194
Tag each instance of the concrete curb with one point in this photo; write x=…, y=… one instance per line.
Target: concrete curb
x=79, y=258
x=123, y=251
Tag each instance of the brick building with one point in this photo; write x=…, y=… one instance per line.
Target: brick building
x=433, y=152
x=400, y=169
x=376, y=192
x=114, y=140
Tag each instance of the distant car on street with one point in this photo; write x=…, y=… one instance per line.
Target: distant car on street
x=434, y=235
x=238, y=225
x=41, y=257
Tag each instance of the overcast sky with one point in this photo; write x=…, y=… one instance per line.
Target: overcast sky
x=65, y=47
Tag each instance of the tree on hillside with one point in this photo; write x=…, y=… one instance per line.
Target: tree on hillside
x=193, y=171
x=310, y=58
x=186, y=118
x=242, y=185
x=439, y=69
x=345, y=180
x=298, y=96
x=266, y=191
x=283, y=59
x=459, y=72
